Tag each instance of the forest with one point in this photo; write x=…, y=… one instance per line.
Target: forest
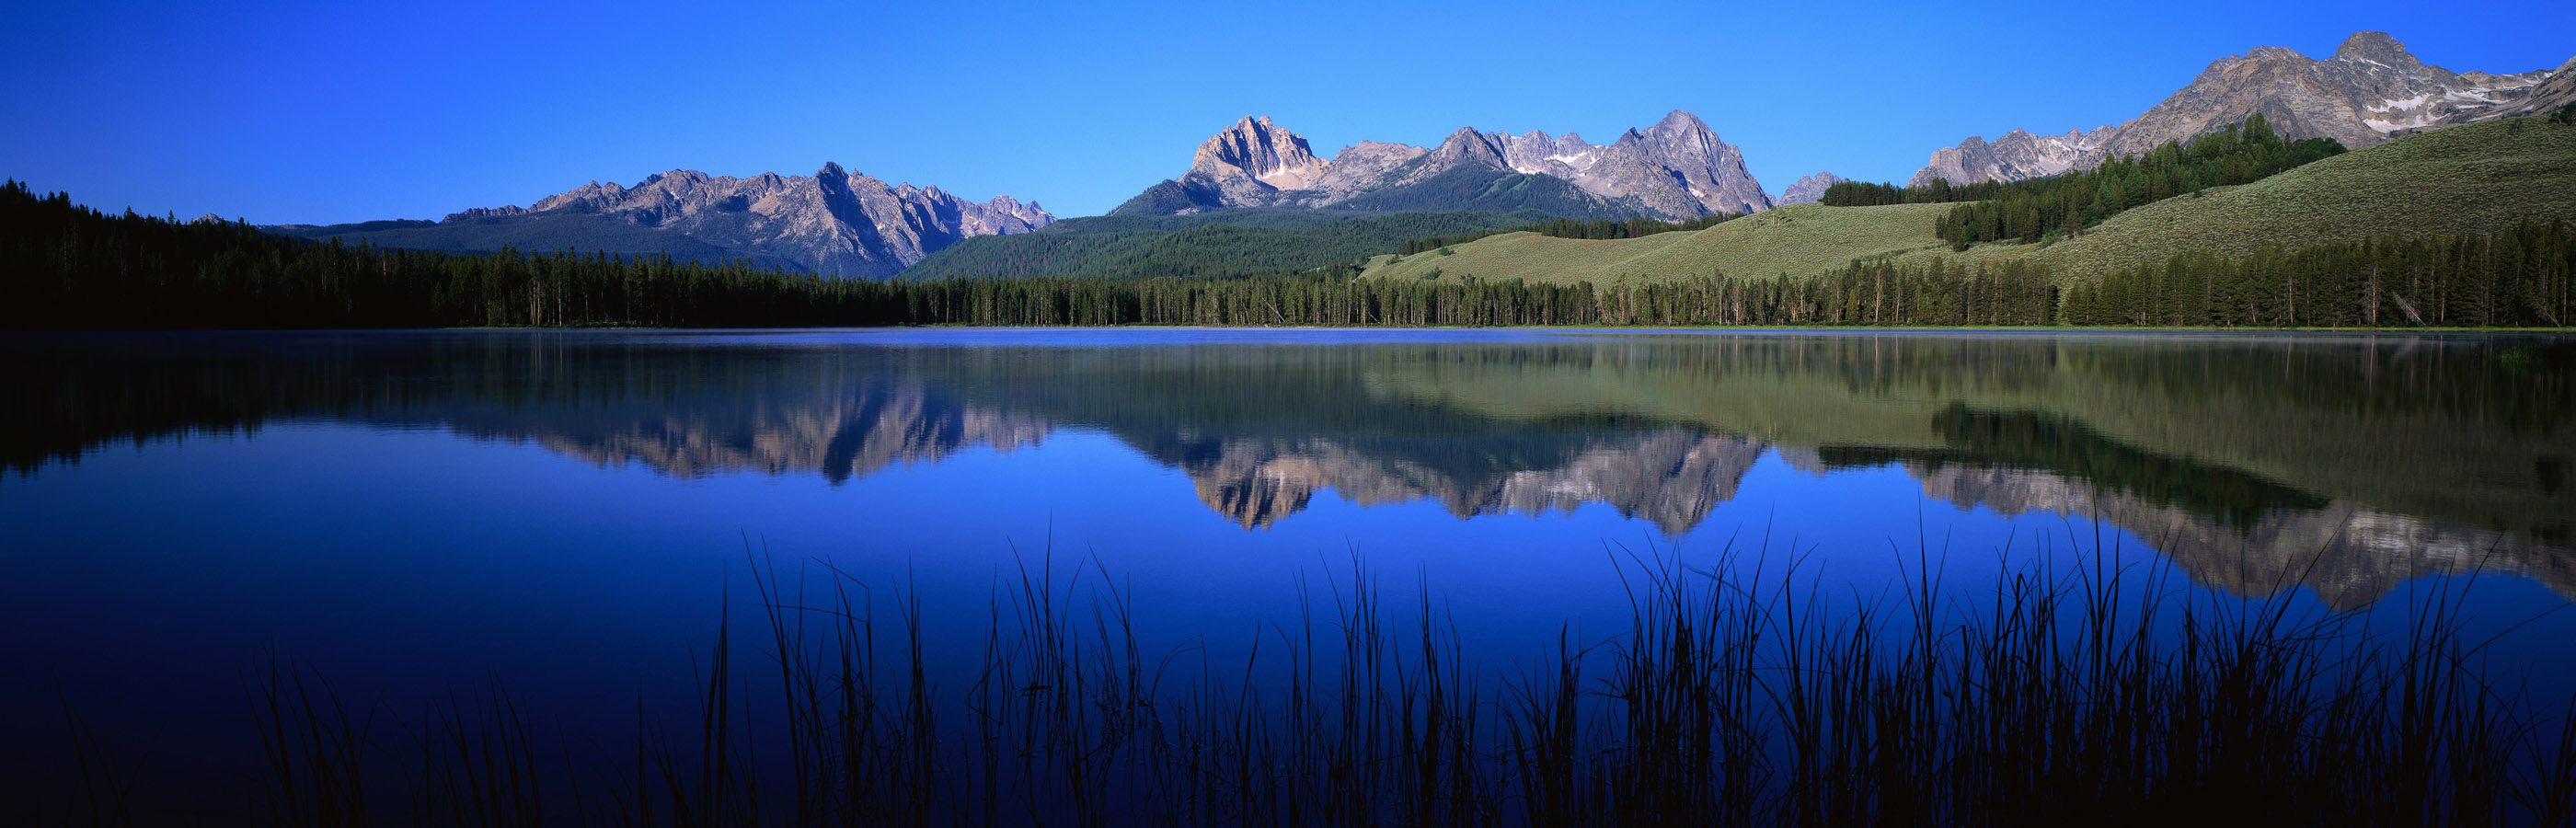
x=2516, y=278
x=67, y=267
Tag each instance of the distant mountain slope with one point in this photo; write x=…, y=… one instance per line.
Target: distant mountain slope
x=1218, y=243
x=1677, y=168
x=834, y=222
x=2476, y=178
x=2370, y=90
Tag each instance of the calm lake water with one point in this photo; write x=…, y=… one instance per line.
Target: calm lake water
x=571, y=512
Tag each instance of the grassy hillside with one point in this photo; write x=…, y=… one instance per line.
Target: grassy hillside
x=2476, y=178
x=1216, y=244
x=1798, y=240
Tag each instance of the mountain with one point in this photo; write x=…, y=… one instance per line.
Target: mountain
x=834, y=222
x=1676, y=169
x=1808, y=190
x=2369, y=91
x=2015, y=156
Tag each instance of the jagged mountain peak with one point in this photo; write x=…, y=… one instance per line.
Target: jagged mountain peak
x=1468, y=143
x=2376, y=47
x=1677, y=168
x=1678, y=120
x=1259, y=149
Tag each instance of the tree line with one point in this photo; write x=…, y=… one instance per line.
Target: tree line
x=1564, y=228
x=68, y=267
x=1937, y=191
x=2523, y=277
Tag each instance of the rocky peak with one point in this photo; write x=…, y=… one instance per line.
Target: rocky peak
x=1257, y=148
x=1809, y=190
x=1467, y=146
x=2378, y=48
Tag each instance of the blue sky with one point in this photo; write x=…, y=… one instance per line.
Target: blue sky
x=331, y=112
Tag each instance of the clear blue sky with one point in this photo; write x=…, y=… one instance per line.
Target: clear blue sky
x=300, y=112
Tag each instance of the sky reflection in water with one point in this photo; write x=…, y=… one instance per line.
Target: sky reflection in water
x=568, y=509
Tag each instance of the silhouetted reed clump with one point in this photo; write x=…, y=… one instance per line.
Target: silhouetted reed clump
x=2082, y=693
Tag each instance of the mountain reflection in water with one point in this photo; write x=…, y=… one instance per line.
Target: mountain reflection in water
x=2345, y=464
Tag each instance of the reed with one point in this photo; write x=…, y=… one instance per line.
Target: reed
x=2077, y=688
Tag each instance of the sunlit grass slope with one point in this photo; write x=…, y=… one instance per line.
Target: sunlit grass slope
x=1798, y=240
x=2478, y=178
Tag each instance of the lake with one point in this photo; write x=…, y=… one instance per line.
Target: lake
x=572, y=514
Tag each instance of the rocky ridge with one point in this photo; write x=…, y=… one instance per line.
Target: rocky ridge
x=2369, y=91
x=2015, y=156
x=1677, y=168
x=834, y=222
x=1808, y=190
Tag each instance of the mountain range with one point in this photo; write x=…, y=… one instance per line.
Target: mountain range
x=834, y=222
x=2369, y=91
x=839, y=223
x=1676, y=169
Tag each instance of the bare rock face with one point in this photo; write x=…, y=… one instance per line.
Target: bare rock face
x=2015, y=156
x=1809, y=190
x=833, y=222
x=1677, y=168
x=1262, y=151
x=2369, y=91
